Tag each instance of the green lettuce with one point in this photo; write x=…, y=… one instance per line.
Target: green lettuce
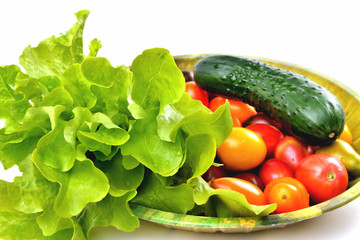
x=111, y=211
x=158, y=193
x=19, y=226
x=148, y=148
x=13, y=104
x=92, y=139
x=192, y=117
x=55, y=54
x=157, y=80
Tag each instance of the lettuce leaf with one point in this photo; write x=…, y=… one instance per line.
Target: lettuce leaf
x=200, y=154
x=50, y=144
x=55, y=54
x=22, y=226
x=78, y=87
x=5, y=200
x=192, y=117
x=121, y=180
x=144, y=144
x=31, y=195
x=13, y=104
x=157, y=192
x=83, y=184
x=19, y=143
x=226, y=203
x=157, y=80
x=111, y=211
x=37, y=195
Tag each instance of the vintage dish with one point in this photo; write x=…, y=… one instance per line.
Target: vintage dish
x=350, y=101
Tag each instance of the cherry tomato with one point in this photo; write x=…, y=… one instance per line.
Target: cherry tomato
x=214, y=172
x=310, y=149
x=238, y=109
x=288, y=193
x=188, y=75
x=252, y=193
x=291, y=150
x=197, y=93
x=242, y=150
x=346, y=135
x=323, y=176
x=251, y=177
x=274, y=168
x=236, y=122
x=270, y=134
x=262, y=118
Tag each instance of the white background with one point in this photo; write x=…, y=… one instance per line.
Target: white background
x=321, y=35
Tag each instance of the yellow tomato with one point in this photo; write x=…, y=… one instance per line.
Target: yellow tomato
x=242, y=150
x=346, y=135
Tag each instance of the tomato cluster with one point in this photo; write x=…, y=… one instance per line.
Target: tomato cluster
x=260, y=160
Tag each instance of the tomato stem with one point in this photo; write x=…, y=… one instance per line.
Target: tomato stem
x=331, y=176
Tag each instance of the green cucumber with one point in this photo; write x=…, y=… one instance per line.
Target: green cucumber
x=306, y=109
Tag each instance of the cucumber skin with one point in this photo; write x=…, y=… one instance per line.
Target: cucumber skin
x=305, y=109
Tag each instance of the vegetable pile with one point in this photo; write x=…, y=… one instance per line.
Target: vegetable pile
x=267, y=164
x=91, y=140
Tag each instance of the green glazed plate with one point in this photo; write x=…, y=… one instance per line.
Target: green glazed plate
x=351, y=104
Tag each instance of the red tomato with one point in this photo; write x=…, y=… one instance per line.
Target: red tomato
x=323, y=176
x=270, y=134
x=251, y=177
x=242, y=150
x=262, y=118
x=252, y=193
x=291, y=150
x=238, y=109
x=197, y=93
x=214, y=172
x=288, y=193
x=310, y=149
x=274, y=168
